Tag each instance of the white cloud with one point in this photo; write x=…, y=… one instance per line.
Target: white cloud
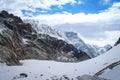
x=15, y=6
x=109, y=37
x=110, y=15
x=46, y=4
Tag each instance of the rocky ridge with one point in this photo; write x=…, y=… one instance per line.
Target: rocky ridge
x=118, y=42
x=18, y=40
x=69, y=37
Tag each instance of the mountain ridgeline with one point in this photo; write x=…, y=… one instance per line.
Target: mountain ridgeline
x=20, y=40
x=69, y=37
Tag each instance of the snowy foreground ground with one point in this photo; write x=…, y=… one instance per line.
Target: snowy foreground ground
x=42, y=70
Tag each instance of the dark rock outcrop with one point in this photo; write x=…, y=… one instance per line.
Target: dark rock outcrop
x=18, y=40
x=11, y=44
x=118, y=42
x=11, y=47
x=53, y=48
x=83, y=77
x=89, y=77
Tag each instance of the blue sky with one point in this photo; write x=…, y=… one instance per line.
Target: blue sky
x=80, y=6
x=97, y=21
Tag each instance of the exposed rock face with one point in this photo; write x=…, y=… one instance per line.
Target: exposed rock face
x=53, y=48
x=15, y=24
x=18, y=40
x=117, y=42
x=84, y=77
x=11, y=47
x=89, y=77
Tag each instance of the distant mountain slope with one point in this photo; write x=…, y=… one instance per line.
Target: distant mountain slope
x=99, y=50
x=91, y=50
x=69, y=37
x=73, y=38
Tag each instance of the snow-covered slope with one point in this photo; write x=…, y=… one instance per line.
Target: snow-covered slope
x=42, y=70
x=111, y=72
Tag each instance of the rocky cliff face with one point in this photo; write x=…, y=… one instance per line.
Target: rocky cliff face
x=18, y=40
x=11, y=47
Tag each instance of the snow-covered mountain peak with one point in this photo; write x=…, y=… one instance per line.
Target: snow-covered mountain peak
x=91, y=50
x=44, y=29
x=70, y=37
x=73, y=38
